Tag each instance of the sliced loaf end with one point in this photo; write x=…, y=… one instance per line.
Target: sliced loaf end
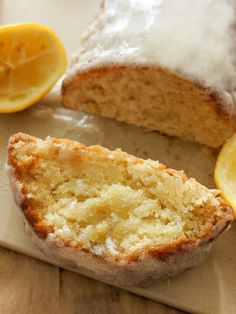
x=153, y=98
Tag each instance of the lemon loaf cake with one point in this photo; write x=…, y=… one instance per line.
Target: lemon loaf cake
x=163, y=65
x=110, y=215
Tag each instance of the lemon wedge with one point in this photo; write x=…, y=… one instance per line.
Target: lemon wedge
x=225, y=172
x=32, y=58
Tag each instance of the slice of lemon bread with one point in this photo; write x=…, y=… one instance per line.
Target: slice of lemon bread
x=110, y=215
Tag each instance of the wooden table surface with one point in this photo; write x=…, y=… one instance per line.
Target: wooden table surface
x=30, y=286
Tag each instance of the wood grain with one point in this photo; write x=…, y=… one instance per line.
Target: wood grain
x=83, y=295
x=28, y=286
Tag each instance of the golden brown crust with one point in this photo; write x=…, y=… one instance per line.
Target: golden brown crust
x=28, y=205
x=32, y=214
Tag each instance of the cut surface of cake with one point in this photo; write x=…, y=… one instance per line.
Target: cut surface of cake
x=110, y=215
x=163, y=65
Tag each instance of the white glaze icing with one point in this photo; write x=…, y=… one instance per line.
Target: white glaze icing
x=192, y=38
x=15, y=185
x=146, y=271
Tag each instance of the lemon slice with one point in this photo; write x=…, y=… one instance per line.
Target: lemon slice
x=225, y=172
x=32, y=58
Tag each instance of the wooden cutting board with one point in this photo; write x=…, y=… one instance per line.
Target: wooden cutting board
x=207, y=288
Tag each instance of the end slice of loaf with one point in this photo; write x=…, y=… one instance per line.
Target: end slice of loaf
x=110, y=215
x=136, y=65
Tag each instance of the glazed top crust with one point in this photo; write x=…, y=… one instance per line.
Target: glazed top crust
x=195, y=39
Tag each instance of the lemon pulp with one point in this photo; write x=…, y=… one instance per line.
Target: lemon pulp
x=32, y=58
x=225, y=172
